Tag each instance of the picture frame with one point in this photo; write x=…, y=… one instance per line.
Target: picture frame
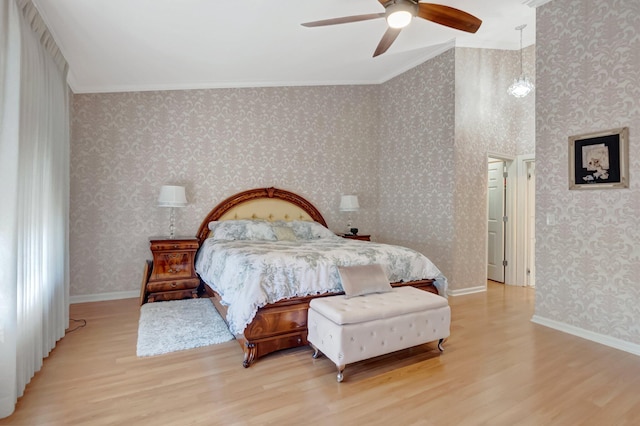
x=599, y=160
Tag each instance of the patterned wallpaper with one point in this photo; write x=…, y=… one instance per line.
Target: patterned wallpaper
x=319, y=142
x=487, y=119
x=416, y=154
x=413, y=149
x=588, y=262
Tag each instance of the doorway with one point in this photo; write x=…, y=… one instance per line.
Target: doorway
x=511, y=219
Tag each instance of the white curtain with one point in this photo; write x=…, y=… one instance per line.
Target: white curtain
x=34, y=190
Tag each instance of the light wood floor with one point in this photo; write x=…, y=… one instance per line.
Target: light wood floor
x=498, y=368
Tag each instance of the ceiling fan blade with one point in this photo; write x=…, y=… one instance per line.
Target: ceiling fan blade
x=343, y=20
x=449, y=16
x=387, y=40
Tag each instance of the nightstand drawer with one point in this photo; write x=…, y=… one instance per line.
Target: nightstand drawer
x=153, y=287
x=170, y=265
x=182, y=245
x=173, y=295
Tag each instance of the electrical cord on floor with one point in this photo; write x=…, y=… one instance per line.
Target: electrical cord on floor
x=83, y=321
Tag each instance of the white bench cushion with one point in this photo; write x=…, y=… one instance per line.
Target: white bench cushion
x=400, y=301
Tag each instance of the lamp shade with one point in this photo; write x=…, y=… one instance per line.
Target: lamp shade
x=349, y=203
x=172, y=196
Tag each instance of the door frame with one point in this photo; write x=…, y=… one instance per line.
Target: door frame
x=515, y=272
x=521, y=225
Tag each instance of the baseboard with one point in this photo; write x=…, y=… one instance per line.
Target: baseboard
x=589, y=335
x=104, y=296
x=470, y=290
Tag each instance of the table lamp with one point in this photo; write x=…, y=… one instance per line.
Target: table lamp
x=172, y=196
x=349, y=203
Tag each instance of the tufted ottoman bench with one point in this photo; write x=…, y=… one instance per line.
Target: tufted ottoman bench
x=348, y=330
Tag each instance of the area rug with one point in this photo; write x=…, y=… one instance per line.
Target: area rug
x=178, y=325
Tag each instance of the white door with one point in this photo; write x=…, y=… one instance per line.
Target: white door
x=495, y=267
x=531, y=224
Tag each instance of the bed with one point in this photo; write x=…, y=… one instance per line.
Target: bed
x=255, y=248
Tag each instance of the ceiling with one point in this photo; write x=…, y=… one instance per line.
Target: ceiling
x=134, y=45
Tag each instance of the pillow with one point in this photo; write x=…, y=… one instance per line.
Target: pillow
x=212, y=226
x=243, y=229
x=363, y=279
x=307, y=230
x=284, y=233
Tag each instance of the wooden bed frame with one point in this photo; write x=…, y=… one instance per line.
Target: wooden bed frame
x=283, y=324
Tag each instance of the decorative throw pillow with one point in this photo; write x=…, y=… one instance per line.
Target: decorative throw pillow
x=308, y=230
x=320, y=231
x=243, y=230
x=284, y=233
x=363, y=279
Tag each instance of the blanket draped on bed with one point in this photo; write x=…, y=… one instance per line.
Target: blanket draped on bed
x=250, y=274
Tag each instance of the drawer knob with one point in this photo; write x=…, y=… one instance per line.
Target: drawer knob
x=174, y=285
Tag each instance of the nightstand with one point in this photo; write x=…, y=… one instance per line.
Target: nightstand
x=173, y=275
x=356, y=237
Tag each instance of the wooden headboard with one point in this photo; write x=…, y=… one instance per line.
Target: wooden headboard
x=261, y=203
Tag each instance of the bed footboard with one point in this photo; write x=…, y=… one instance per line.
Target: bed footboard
x=283, y=325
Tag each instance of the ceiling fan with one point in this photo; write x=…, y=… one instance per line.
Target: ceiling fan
x=399, y=14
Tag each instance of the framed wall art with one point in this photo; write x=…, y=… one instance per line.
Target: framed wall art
x=599, y=160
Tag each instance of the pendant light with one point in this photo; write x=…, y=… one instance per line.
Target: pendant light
x=521, y=86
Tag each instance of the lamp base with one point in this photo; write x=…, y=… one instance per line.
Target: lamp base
x=172, y=224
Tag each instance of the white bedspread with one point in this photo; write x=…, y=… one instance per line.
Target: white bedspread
x=250, y=274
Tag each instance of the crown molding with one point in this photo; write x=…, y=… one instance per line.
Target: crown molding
x=535, y=3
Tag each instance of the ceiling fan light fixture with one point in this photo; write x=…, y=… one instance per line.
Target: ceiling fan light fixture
x=399, y=14
x=399, y=19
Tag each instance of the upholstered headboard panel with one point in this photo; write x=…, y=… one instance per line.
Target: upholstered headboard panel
x=266, y=208
x=261, y=203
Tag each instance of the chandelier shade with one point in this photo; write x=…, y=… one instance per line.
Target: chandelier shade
x=521, y=87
